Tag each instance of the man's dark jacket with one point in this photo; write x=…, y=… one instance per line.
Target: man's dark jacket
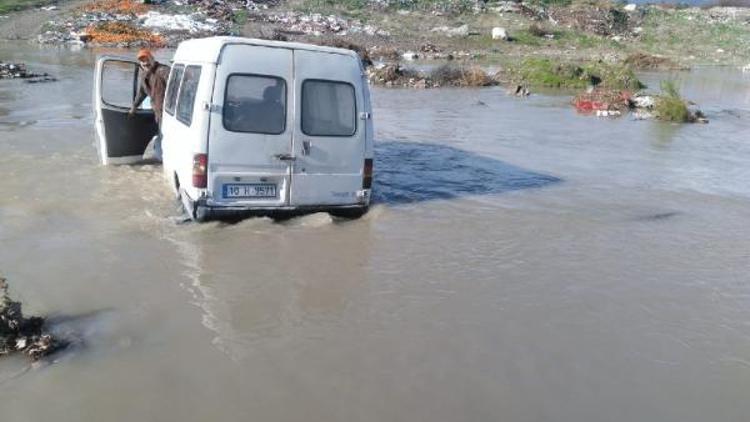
x=153, y=83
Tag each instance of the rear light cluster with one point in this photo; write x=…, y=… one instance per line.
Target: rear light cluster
x=200, y=170
x=367, y=177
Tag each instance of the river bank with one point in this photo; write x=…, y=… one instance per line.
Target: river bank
x=492, y=32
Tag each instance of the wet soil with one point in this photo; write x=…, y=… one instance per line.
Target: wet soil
x=27, y=24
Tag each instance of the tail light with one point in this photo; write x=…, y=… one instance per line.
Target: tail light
x=200, y=173
x=367, y=177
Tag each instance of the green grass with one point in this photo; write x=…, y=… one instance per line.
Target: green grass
x=670, y=106
x=7, y=6
x=525, y=37
x=685, y=32
x=239, y=17
x=546, y=73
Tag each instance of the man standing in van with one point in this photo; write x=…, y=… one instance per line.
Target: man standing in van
x=152, y=82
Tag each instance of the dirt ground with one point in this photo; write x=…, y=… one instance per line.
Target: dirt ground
x=27, y=24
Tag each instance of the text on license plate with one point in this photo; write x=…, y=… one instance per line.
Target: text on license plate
x=249, y=190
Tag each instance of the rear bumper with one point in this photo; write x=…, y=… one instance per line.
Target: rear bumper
x=205, y=209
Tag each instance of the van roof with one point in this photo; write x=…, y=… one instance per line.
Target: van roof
x=208, y=50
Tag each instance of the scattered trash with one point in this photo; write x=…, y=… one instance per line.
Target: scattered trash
x=317, y=24
x=123, y=34
x=602, y=101
x=506, y=7
x=600, y=18
x=396, y=75
x=18, y=71
x=608, y=113
x=410, y=55
x=117, y=7
x=460, y=31
x=643, y=101
x=19, y=334
x=667, y=106
x=499, y=34
x=164, y=22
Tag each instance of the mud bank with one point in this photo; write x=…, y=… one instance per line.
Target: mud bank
x=20, y=334
x=498, y=32
x=19, y=71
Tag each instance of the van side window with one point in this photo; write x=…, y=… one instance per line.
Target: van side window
x=328, y=108
x=188, y=90
x=174, y=86
x=255, y=104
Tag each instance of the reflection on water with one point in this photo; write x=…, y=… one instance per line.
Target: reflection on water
x=549, y=267
x=416, y=171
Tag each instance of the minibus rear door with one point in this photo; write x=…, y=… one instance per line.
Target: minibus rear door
x=329, y=135
x=250, y=139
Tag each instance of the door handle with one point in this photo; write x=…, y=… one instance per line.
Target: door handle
x=306, y=146
x=285, y=157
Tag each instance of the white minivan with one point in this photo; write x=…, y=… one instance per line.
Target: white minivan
x=249, y=126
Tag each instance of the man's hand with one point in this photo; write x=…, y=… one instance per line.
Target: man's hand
x=131, y=113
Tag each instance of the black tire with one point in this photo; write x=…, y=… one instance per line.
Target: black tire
x=201, y=214
x=352, y=213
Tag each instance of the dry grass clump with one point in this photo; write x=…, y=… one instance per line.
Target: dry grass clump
x=361, y=51
x=119, y=7
x=647, y=61
x=539, y=31
x=476, y=76
x=123, y=33
x=452, y=75
x=394, y=74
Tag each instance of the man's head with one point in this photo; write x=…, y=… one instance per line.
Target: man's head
x=145, y=58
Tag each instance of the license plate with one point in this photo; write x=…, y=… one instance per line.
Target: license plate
x=249, y=190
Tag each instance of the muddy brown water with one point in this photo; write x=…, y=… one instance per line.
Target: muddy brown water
x=522, y=263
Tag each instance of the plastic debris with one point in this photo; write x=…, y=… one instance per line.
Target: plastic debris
x=164, y=22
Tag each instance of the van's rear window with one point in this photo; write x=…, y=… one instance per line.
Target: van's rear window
x=328, y=108
x=255, y=104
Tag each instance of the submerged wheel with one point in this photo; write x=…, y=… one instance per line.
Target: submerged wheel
x=201, y=214
x=197, y=213
x=352, y=213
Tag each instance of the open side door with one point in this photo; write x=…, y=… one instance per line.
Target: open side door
x=120, y=139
